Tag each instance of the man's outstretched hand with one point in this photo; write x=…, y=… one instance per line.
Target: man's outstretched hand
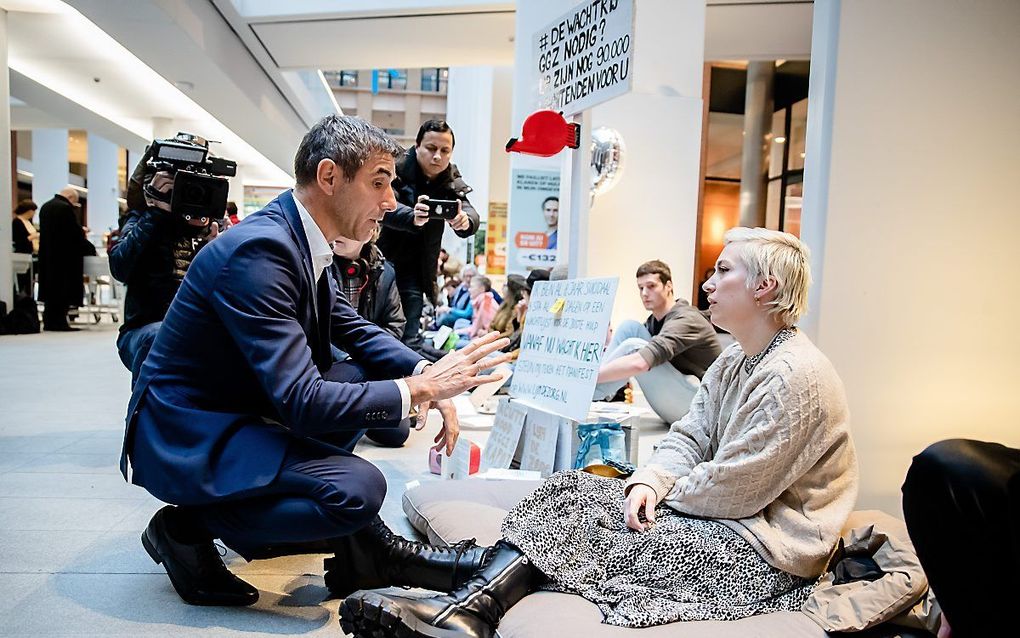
x=459, y=370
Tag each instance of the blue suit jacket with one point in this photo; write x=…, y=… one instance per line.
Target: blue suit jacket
x=235, y=372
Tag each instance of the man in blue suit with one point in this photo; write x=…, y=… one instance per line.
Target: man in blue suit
x=265, y=466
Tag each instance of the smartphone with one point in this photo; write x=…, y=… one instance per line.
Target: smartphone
x=442, y=208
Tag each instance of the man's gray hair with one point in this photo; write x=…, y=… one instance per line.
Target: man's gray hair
x=348, y=141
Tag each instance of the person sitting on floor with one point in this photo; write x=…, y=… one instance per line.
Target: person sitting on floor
x=483, y=310
x=668, y=354
x=735, y=514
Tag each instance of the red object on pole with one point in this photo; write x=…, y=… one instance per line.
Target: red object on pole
x=545, y=133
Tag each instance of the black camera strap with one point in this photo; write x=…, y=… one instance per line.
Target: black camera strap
x=157, y=195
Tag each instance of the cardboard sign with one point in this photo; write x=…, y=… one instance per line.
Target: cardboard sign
x=504, y=437
x=541, y=433
x=561, y=352
x=585, y=57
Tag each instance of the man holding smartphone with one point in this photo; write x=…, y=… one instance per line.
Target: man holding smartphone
x=412, y=234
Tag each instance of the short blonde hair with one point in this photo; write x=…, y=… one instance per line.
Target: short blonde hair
x=771, y=253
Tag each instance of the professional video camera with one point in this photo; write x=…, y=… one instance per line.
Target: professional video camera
x=200, y=184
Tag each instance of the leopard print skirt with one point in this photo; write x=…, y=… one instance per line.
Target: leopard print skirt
x=683, y=569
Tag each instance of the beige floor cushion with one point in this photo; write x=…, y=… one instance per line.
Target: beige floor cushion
x=450, y=511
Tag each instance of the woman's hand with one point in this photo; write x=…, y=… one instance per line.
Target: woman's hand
x=640, y=497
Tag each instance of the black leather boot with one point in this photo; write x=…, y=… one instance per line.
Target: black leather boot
x=195, y=570
x=376, y=557
x=472, y=611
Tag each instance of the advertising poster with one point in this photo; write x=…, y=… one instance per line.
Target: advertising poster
x=534, y=220
x=495, y=239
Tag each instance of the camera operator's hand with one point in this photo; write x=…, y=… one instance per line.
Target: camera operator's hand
x=421, y=211
x=461, y=221
x=458, y=370
x=162, y=182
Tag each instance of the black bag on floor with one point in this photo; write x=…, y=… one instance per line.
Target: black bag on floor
x=22, y=320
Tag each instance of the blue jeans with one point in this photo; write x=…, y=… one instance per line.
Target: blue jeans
x=667, y=390
x=133, y=346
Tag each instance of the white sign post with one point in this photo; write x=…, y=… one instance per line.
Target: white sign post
x=585, y=57
x=561, y=348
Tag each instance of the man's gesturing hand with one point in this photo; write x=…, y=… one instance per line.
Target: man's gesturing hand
x=458, y=370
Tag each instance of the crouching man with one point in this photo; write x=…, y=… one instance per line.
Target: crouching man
x=265, y=467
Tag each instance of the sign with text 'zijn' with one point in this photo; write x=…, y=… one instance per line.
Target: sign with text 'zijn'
x=585, y=57
x=561, y=348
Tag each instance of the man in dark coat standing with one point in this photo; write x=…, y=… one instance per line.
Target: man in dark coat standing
x=60, y=259
x=410, y=239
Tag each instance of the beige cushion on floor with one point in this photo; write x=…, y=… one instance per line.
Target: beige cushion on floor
x=449, y=511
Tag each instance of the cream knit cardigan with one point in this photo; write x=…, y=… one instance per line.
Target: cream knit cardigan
x=768, y=455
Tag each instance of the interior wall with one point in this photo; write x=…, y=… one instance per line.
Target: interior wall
x=652, y=211
x=920, y=270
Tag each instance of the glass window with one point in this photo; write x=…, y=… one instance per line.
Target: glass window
x=341, y=78
x=773, y=195
x=794, y=202
x=798, y=134
x=434, y=80
x=777, y=143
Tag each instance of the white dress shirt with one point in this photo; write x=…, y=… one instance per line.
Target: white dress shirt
x=322, y=257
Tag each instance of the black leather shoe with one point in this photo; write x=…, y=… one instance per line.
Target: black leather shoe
x=472, y=611
x=376, y=557
x=196, y=571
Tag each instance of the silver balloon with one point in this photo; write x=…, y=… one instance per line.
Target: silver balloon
x=607, y=152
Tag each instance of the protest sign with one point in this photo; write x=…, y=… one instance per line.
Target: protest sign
x=585, y=57
x=561, y=350
x=504, y=437
x=541, y=433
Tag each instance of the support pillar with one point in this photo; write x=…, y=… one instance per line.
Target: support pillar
x=754, y=163
x=469, y=113
x=6, y=196
x=101, y=180
x=49, y=163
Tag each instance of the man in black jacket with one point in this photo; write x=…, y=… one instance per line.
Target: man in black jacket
x=60, y=258
x=368, y=282
x=410, y=239
x=154, y=251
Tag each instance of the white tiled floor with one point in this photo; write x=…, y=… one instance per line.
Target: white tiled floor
x=70, y=560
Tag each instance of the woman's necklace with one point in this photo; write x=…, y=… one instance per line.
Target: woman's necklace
x=783, y=335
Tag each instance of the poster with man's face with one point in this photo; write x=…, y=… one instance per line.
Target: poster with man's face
x=533, y=234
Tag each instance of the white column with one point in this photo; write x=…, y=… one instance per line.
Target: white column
x=652, y=211
x=817, y=146
x=6, y=277
x=469, y=113
x=102, y=184
x=529, y=18
x=49, y=163
x=236, y=192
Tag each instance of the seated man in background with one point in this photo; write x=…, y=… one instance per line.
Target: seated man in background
x=667, y=355
x=368, y=282
x=459, y=305
x=483, y=311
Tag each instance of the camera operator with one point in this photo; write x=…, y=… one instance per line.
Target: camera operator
x=412, y=234
x=155, y=249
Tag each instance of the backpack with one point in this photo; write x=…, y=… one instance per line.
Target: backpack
x=22, y=319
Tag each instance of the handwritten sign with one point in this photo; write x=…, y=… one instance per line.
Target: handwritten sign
x=561, y=353
x=541, y=433
x=504, y=436
x=586, y=56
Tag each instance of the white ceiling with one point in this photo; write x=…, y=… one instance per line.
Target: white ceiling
x=236, y=59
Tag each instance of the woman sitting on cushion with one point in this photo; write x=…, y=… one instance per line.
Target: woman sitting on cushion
x=736, y=512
